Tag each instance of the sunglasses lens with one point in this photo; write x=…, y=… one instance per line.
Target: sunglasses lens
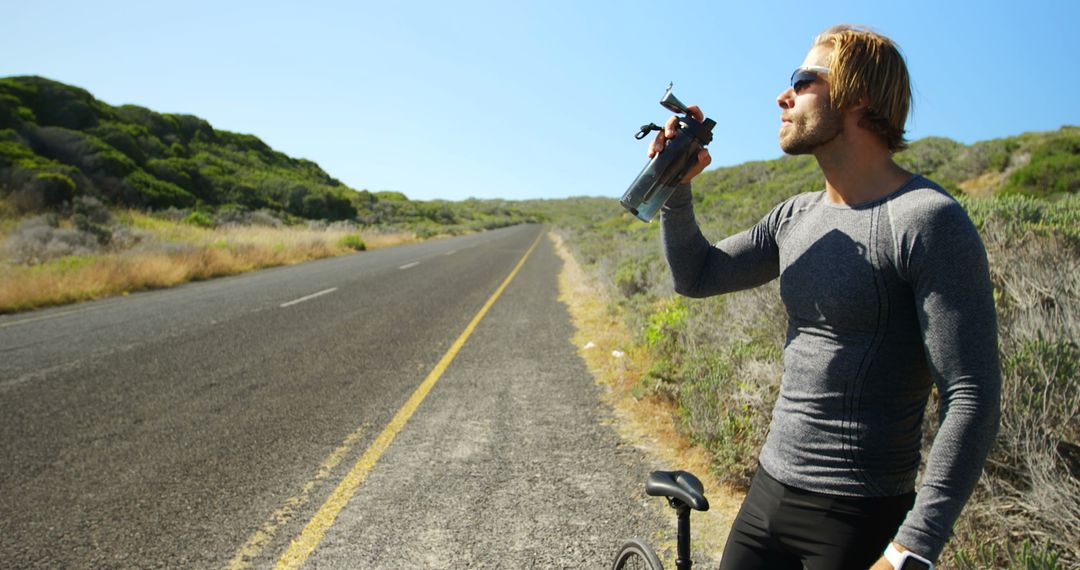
x=802, y=78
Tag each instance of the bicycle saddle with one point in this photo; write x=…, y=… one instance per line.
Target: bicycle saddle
x=680, y=485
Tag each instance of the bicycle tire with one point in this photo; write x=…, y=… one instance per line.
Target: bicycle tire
x=636, y=555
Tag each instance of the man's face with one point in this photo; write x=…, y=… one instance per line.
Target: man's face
x=808, y=121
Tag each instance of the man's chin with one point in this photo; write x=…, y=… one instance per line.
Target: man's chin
x=789, y=143
x=793, y=148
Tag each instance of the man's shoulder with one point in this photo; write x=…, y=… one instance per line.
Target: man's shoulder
x=923, y=202
x=789, y=210
x=799, y=203
x=929, y=226
x=805, y=199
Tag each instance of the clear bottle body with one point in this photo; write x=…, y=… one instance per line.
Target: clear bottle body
x=654, y=185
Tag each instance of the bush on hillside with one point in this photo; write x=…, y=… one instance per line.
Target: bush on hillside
x=40, y=239
x=353, y=241
x=1054, y=169
x=199, y=219
x=92, y=217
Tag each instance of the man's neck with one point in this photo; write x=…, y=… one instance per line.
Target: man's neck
x=858, y=171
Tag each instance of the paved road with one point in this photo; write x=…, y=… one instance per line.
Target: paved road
x=206, y=425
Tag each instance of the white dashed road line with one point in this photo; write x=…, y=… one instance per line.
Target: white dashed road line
x=309, y=297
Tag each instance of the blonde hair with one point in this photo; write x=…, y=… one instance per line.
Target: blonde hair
x=864, y=63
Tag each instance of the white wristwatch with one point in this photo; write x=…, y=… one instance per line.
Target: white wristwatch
x=907, y=560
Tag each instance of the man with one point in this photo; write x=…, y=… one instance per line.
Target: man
x=886, y=287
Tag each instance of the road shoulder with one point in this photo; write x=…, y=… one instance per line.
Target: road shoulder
x=513, y=460
x=605, y=345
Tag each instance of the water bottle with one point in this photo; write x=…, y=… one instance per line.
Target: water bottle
x=652, y=188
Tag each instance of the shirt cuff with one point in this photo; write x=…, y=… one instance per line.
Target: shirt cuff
x=920, y=543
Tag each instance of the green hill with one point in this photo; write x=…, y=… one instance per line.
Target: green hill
x=58, y=142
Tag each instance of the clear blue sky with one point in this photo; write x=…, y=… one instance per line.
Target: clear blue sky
x=530, y=99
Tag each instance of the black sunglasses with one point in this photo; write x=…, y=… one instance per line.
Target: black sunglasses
x=804, y=76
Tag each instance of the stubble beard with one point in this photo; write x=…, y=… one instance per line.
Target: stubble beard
x=807, y=132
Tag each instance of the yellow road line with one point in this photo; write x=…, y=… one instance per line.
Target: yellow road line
x=302, y=547
x=265, y=534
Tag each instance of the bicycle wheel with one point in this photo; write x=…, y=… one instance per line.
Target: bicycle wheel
x=636, y=555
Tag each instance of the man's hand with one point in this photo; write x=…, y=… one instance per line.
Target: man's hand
x=670, y=129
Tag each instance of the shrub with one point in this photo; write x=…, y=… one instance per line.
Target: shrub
x=927, y=155
x=1050, y=175
x=977, y=159
x=173, y=170
x=666, y=325
x=144, y=190
x=993, y=555
x=343, y=226
x=35, y=191
x=240, y=216
x=199, y=219
x=122, y=137
x=630, y=276
x=39, y=239
x=265, y=218
x=83, y=150
x=12, y=150
x=91, y=216
x=1054, y=168
x=173, y=214
x=124, y=237
x=232, y=216
x=352, y=241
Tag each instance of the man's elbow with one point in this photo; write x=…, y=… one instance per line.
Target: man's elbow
x=689, y=290
x=981, y=407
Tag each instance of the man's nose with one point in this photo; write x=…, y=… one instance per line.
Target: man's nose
x=786, y=98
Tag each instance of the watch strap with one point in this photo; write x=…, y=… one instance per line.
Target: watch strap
x=897, y=558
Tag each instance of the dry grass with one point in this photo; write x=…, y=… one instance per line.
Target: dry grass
x=647, y=423
x=172, y=253
x=985, y=184
x=1030, y=490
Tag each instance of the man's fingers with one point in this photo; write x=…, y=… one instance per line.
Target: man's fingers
x=657, y=145
x=695, y=112
x=671, y=127
x=703, y=160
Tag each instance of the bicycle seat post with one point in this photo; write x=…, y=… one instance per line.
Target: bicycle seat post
x=683, y=560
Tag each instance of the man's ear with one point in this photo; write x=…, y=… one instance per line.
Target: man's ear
x=861, y=105
x=858, y=111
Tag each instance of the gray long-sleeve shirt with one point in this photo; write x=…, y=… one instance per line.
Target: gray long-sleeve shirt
x=882, y=299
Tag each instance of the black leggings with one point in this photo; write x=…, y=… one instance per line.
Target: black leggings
x=781, y=527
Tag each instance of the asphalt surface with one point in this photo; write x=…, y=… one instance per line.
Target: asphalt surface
x=204, y=426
